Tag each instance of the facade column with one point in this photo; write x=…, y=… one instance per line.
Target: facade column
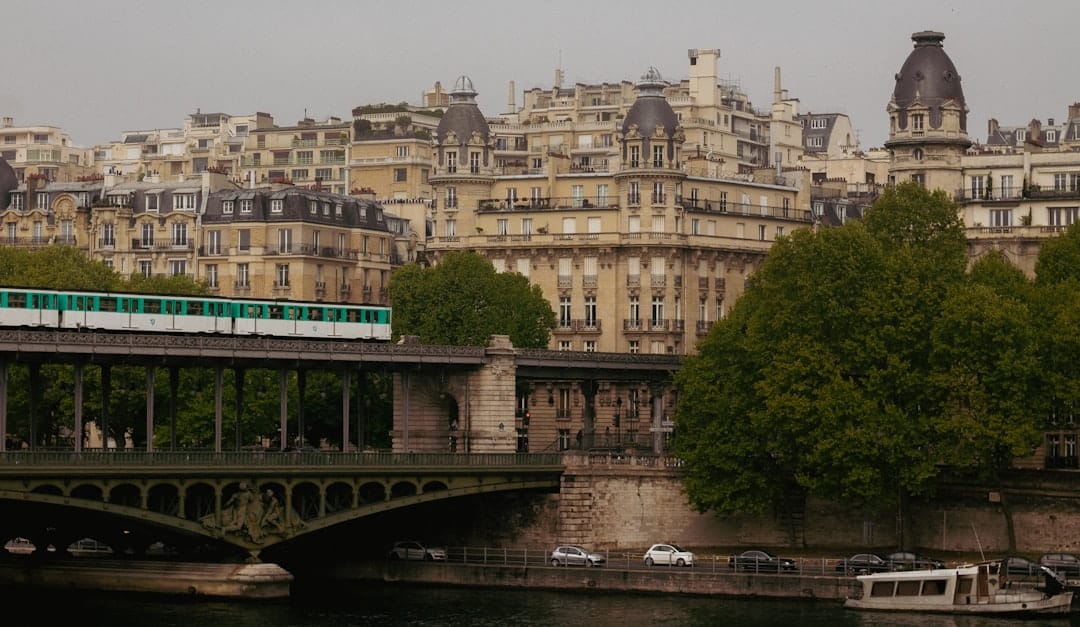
x=78, y=376
x=150, y=372
x=174, y=386
x=3, y=404
x=238, y=374
x=283, y=416
x=656, y=418
x=588, y=391
x=301, y=387
x=106, y=395
x=35, y=391
x=218, y=376
x=345, y=397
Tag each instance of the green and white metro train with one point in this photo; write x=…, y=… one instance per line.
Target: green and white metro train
x=54, y=309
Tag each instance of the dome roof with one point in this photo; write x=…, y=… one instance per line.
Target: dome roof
x=8, y=182
x=929, y=77
x=651, y=109
x=463, y=116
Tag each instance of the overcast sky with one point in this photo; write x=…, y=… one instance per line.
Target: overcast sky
x=100, y=67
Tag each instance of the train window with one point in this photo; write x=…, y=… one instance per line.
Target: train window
x=276, y=313
x=108, y=303
x=252, y=311
x=293, y=313
x=17, y=301
x=314, y=313
x=195, y=308
x=354, y=315
x=151, y=306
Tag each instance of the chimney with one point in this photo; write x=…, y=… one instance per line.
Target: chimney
x=991, y=127
x=511, y=103
x=777, y=94
x=1049, y=121
x=8, y=122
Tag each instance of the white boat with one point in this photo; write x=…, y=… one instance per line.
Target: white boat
x=981, y=588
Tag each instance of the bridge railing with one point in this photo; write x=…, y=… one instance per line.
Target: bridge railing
x=120, y=457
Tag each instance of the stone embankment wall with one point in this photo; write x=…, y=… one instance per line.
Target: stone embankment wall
x=628, y=503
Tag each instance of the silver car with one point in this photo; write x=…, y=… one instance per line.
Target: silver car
x=575, y=556
x=412, y=550
x=668, y=555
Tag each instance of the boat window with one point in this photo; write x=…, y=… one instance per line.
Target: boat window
x=933, y=587
x=908, y=588
x=963, y=585
x=881, y=589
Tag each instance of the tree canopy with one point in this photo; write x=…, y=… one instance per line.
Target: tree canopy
x=860, y=363
x=462, y=301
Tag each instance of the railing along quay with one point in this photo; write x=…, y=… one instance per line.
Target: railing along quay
x=128, y=458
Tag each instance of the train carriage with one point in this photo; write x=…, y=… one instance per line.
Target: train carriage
x=29, y=308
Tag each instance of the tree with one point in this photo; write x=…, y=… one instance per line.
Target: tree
x=835, y=372
x=463, y=301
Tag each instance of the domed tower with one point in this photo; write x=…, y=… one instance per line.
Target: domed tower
x=651, y=139
x=9, y=182
x=928, y=118
x=462, y=161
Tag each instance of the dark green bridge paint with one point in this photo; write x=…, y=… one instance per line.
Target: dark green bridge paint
x=189, y=492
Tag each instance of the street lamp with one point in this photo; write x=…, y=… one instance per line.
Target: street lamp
x=618, y=421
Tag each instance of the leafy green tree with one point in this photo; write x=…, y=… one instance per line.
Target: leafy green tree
x=463, y=301
x=837, y=371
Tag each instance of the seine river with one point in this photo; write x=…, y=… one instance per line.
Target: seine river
x=378, y=605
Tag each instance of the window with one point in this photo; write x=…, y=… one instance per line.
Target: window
x=177, y=267
x=299, y=174
x=658, y=197
x=151, y=201
x=1001, y=217
x=451, y=162
x=602, y=195
x=281, y=275
x=564, y=440
x=634, y=312
x=564, y=345
x=526, y=226
x=213, y=242
x=1060, y=182
x=761, y=232
x=523, y=267
x=917, y=154
x=917, y=122
x=242, y=275
x=451, y=228
x=1051, y=137
x=502, y=226
x=1021, y=136
x=474, y=162
x=635, y=193
x=577, y=193
x=451, y=198
x=146, y=267
x=246, y=205
x=147, y=235
x=226, y=206
x=108, y=234
x=1006, y=186
x=976, y=187
x=658, y=227
x=819, y=123
x=305, y=157
x=919, y=179
x=590, y=312
x=184, y=202
x=658, y=156
x=179, y=234
x=634, y=347
x=814, y=142
x=695, y=226
x=212, y=275
x=277, y=205
x=564, y=312
x=401, y=175
x=1061, y=216
x=313, y=206
x=635, y=156
x=284, y=240
x=244, y=240
x=589, y=346
x=657, y=319
x=403, y=151
x=723, y=201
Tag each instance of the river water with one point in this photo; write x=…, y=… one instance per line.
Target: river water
x=377, y=605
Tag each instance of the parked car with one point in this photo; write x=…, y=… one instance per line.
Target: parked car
x=761, y=561
x=1065, y=564
x=1021, y=567
x=575, y=556
x=668, y=555
x=412, y=550
x=905, y=560
x=863, y=563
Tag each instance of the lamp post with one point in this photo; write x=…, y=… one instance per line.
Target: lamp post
x=618, y=420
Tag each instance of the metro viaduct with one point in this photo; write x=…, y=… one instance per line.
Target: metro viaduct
x=254, y=500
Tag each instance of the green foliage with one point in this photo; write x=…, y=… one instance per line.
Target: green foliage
x=463, y=301
x=858, y=363
x=1059, y=259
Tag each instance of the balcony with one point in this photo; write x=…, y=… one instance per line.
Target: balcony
x=1034, y=192
x=545, y=204
x=703, y=327
x=578, y=326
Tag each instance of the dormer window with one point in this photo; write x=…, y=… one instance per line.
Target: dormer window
x=1051, y=136
x=917, y=122
x=819, y=123
x=1021, y=137
x=227, y=206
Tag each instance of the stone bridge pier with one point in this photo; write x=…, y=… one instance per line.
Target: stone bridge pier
x=456, y=410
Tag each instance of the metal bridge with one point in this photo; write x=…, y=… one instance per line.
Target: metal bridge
x=249, y=501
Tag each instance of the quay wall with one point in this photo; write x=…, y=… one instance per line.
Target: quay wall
x=625, y=503
x=677, y=581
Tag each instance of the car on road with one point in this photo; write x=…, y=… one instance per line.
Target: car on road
x=1016, y=566
x=761, y=562
x=862, y=564
x=575, y=556
x=906, y=560
x=413, y=550
x=668, y=555
x=1065, y=564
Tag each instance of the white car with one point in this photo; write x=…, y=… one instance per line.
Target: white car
x=412, y=550
x=668, y=555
